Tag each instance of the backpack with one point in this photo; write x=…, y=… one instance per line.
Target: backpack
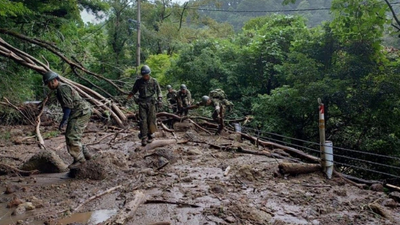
x=218, y=94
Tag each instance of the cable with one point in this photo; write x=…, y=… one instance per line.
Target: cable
x=370, y=170
x=270, y=11
x=260, y=11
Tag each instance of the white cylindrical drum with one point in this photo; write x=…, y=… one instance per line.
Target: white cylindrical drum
x=329, y=158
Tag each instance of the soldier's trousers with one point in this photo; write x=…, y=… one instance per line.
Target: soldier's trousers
x=73, y=135
x=147, y=119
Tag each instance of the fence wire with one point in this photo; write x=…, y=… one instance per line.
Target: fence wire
x=286, y=141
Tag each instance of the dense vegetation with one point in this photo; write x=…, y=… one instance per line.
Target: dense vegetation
x=273, y=66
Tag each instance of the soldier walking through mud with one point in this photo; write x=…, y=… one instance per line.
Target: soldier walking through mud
x=218, y=99
x=171, y=97
x=77, y=114
x=184, y=98
x=149, y=95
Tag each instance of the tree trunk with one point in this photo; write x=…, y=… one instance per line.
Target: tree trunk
x=298, y=168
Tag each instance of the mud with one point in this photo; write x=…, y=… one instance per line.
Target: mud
x=188, y=179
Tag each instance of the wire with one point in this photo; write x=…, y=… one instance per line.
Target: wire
x=270, y=11
x=261, y=11
x=366, y=169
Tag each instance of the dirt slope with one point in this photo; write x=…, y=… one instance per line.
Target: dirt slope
x=183, y=184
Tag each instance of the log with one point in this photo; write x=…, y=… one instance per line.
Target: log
x=199, y=127
x=181, y=204
x=6, y=169
x=127, y=213
x=362, y=186
x=378, y=209
x=298, y=168
x=392, y=187
x=362, y=181
x=96, y=196
x=159, y=143
x=39, y=136
x=289, y=150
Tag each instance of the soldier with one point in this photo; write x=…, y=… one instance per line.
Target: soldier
x=149, y=95
x=171, y=97
x=184, y=99
x=217, y=99
x=77, y=114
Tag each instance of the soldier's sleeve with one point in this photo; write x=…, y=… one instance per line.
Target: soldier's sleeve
x=67, y=96
x=135, y=88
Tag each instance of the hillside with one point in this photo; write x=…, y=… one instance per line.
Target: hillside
x=183, y=183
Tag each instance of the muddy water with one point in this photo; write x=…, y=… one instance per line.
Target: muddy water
x=89, y=218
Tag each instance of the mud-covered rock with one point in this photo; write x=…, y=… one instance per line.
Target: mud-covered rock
x=15, y=201
x=46, y=162
x=11, y=189
x=377, y=187
x=395, y=195
x=183, y=126
x=92, y=169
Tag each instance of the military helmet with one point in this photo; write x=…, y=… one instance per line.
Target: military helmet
x=183, y=87
x=169, y=87
x=145, y=70
x=204, y=99
x=49, y=76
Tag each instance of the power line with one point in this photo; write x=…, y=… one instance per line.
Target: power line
x=262, y=11
x=271, y=11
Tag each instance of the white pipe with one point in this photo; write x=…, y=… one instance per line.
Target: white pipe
x=328, y=158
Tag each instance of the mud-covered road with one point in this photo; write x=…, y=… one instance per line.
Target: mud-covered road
x=185, y=182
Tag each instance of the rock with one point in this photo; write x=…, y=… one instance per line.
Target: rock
x=194, y=151
x=340, y=192
x=19, y=210
x=46, y=162
x=230, y=219
x=395, y=195
x=28, y=206
x=377, y=187
x=37, y=203
x=11, y=189
x=390, y=203
x=14, y=202
x=217, y=189
x=315, y=222
x=183, y=126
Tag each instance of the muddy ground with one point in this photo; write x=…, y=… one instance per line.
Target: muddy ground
x=187, y=177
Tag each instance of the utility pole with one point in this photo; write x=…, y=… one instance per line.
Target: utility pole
x=138, y=35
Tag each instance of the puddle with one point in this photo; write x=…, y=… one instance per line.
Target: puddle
x=89, y=218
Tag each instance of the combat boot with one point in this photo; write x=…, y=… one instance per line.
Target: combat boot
x=86, y=153
x=150, y=139
x=144, y=141
x=77, y=163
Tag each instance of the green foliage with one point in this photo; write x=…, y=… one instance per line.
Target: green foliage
x=159, y=65
x=9, y=8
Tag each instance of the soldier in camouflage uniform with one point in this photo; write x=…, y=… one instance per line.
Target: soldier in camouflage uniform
x=220, y=104
x=149, y=95
x=184, y=99
x=171, y=97
x=77, y=114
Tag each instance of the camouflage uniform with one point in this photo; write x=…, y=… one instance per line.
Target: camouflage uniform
x=149, y=91
x=77, y=120
x=184, y=101
x=219, y=109
x=172, y=97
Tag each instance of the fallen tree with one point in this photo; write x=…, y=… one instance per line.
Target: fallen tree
x=101, y=104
